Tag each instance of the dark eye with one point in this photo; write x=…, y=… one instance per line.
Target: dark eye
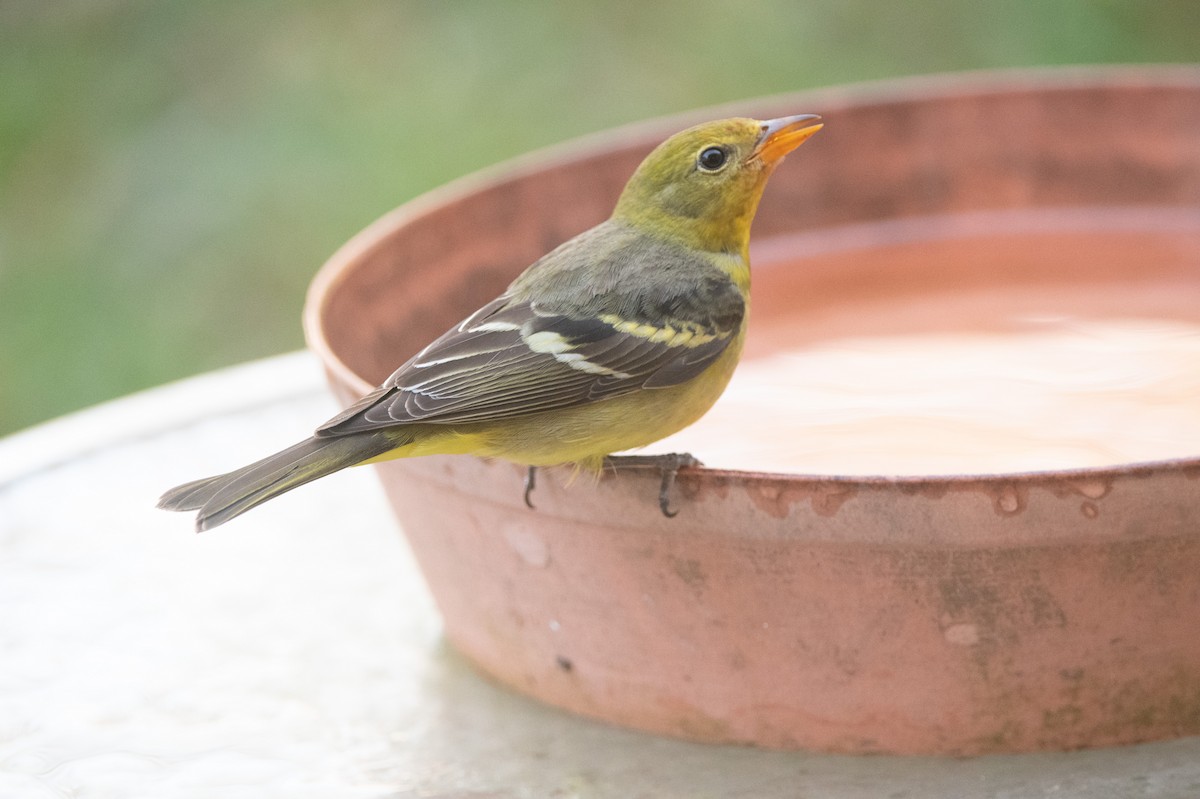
x=712, y=158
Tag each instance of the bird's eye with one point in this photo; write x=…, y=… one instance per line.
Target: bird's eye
x=712, y=158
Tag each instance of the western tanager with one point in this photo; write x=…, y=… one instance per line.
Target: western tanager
x=619, y=337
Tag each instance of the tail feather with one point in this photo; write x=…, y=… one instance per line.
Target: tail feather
x=222, y=497
x=193, y=495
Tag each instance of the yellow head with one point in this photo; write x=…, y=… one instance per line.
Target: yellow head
x=702, y=186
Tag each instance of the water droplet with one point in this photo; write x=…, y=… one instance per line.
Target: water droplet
x=962, y=634
x=1008, y=500
x=528, y=545
x=1092, y=489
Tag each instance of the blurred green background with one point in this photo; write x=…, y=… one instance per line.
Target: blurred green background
x=172, y=173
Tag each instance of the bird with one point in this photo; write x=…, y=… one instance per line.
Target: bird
x=619, y=337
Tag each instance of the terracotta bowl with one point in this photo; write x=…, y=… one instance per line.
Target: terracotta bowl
x=955, y=614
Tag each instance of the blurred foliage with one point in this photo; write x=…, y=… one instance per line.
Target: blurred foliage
x=172, y=173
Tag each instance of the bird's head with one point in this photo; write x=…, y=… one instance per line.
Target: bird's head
x=702, y=185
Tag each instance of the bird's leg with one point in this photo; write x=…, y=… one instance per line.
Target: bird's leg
x=530, y=484
x=669, y=465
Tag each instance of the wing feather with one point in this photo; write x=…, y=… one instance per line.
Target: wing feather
x=519, y=355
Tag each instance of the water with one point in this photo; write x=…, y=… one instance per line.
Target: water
x=1063, y=393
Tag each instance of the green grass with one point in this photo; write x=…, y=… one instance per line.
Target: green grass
x=172, y=173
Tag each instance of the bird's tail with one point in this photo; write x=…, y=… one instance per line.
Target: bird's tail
x=219, y=499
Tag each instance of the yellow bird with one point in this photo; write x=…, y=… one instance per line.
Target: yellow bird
x=621, y=336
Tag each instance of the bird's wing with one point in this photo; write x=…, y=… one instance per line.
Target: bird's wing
x=518, y=357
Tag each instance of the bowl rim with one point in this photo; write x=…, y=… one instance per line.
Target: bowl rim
x=889, y=91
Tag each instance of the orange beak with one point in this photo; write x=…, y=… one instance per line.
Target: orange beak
x=781, y=136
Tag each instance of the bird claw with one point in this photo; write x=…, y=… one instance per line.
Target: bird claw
x=530, y=484
x=669, y=465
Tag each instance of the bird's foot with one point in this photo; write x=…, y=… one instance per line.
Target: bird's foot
x=668, y=465
x=530, y=484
